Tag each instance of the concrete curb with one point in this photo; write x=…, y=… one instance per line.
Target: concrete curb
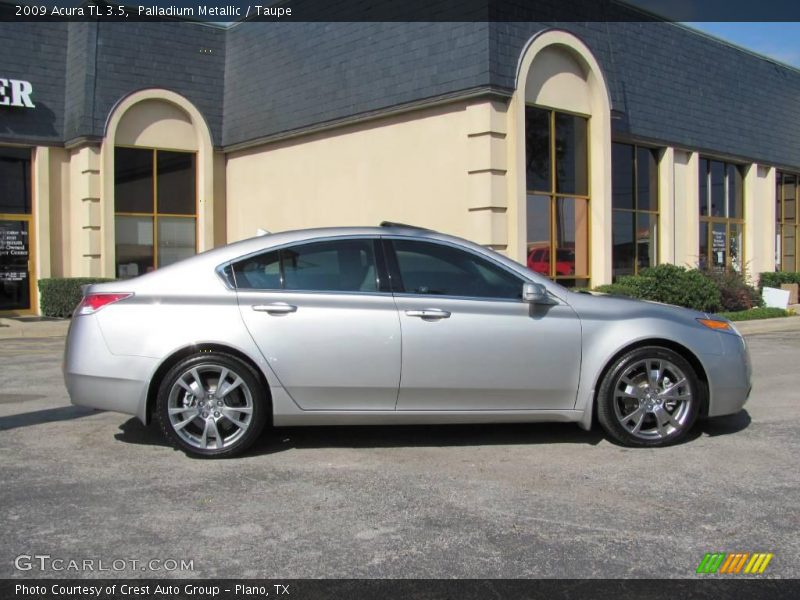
x=11, y=328
x=782, y=324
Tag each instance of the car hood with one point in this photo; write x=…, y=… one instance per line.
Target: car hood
x=599, y=305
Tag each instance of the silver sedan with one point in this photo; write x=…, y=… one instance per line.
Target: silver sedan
x=390, y=324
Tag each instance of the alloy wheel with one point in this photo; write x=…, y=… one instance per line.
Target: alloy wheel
x=210, y=406
x=653, y=399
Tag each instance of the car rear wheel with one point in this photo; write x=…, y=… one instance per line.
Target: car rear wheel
x=649, y=397
x=211, y=405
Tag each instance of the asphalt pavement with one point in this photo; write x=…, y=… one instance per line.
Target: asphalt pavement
x=545, y=500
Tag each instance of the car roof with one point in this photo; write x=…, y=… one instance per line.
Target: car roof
x=265, y=241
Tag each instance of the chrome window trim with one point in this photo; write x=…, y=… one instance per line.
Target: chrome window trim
x=371, y=236
x=434, y=297
x=312, y=292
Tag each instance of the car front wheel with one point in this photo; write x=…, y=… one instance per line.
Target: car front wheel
x=211, y=405
x=649, y=397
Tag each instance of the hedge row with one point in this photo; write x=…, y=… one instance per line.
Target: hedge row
x=756, y=314
x=58, y=296
x=706, y=291
x=774, y=280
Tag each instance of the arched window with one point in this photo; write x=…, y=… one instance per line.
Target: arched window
x=157, y=195
x=564, y=163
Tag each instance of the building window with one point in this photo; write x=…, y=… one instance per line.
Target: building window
x=721, y=216
x=635, y=202
x=788, y=224
x=156, y=208
x=557, y=181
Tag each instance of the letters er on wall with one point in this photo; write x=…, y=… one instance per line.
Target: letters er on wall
x=15, y=92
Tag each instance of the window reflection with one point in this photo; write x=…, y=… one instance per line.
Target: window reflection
x=15, y=181
x=572, y=173
x=721, y=193
x=155, y=201
x=635, y=209
x=537, y=148
x=557, y=174
x=787, y=221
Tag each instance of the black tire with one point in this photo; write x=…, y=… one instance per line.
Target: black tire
x=246, y=403
x=655, y=413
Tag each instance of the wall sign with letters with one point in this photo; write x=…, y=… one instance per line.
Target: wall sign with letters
x=16, y=92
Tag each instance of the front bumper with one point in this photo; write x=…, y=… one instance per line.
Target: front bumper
x=729, y=376
x=96, y=378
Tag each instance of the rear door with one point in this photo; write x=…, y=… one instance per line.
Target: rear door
x=470, y=342
x=325, y=320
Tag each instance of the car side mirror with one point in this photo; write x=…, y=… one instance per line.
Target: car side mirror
x=535, y=293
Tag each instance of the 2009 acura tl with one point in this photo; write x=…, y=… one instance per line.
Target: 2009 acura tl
x=390, y=324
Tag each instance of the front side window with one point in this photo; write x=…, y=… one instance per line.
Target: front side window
x=435, y=269
x=788, y=223
x=330, y=266
x=557, y=181
x=156, y=208
x=635, y=212
x=721, y=216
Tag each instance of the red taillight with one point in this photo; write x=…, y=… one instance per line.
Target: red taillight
x=94, y=302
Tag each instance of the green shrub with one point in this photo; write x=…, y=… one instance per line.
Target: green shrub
x=735, y=293
x=616, y=289
x=669, y=284
x=58, y=296
x=756, y=313
x=774, y=280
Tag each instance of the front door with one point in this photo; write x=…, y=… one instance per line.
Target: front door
x=15, y=265
x=471, y=343
x=324, y=322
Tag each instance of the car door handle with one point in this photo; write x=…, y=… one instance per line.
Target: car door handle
x=429, y=313
x=276, y=308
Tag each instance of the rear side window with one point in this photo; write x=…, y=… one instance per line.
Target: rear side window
x=331, y=266
x=261, y=272
x=436, y=269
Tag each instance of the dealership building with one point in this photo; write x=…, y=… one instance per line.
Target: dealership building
x=587, y=150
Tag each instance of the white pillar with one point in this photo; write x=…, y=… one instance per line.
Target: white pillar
x=759, y=215
x=666, y=206
x=40, y=244
x=687, y=208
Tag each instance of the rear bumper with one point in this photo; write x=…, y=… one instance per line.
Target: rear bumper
x=96, y=378
x=729, y=377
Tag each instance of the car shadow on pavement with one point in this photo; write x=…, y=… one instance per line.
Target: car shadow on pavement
x=724, y=425
x=47, y=415
x=133, y=431
x=281, y=439
x=436, y=436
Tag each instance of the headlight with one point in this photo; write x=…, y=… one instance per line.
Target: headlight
x=718, y=325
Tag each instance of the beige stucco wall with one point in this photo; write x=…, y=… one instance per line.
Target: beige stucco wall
x=686, y=203
x=59, y=213
x=759, y=207
x=155, y=123
x=434, y=168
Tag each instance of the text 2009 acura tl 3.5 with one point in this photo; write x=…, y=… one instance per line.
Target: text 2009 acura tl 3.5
x=390, y=324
